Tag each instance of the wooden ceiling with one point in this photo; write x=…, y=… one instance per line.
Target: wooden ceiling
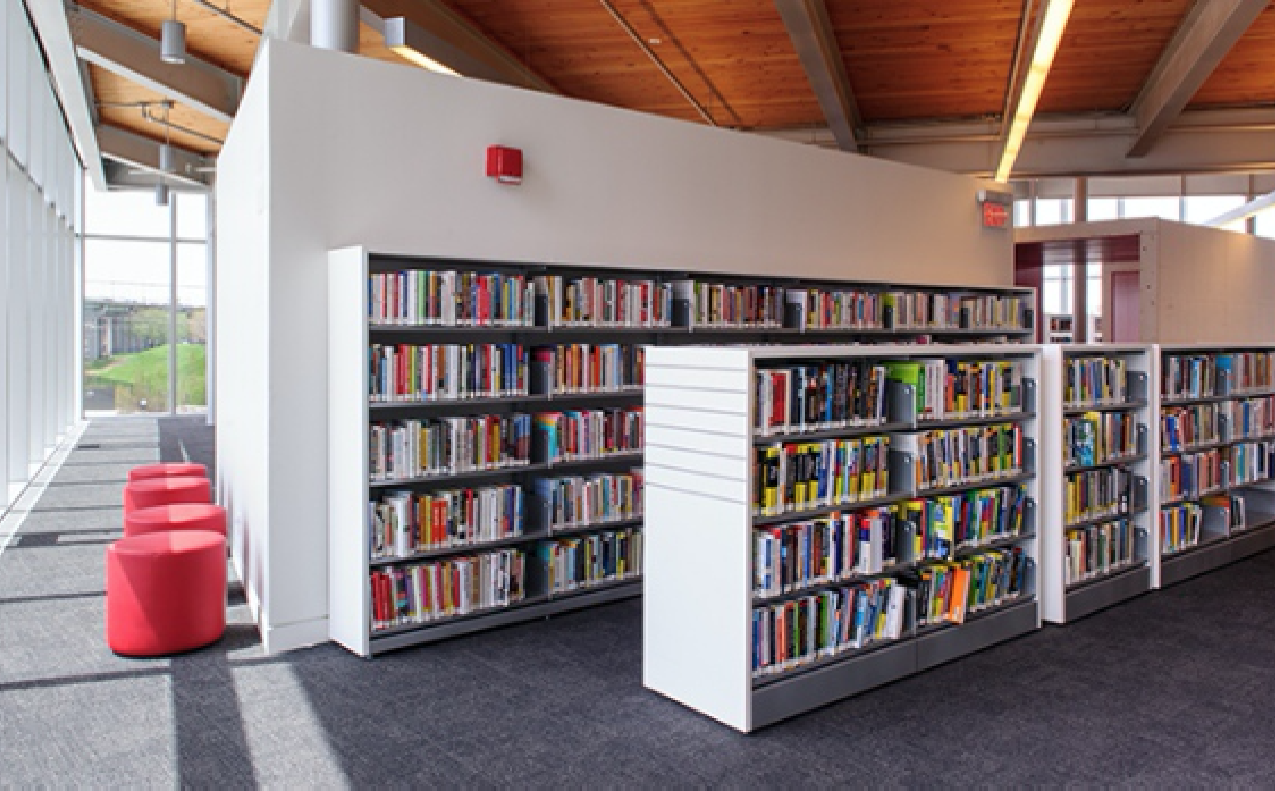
x=905, y=60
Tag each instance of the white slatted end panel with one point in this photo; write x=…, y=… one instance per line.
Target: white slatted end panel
x=696, y=612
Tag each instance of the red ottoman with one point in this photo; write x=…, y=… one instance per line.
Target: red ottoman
x=169, y=469
x=165, y=592
x=165, y=491
x=180, y=516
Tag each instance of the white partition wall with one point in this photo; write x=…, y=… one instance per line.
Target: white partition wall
x=400, y=170
x=39, y=183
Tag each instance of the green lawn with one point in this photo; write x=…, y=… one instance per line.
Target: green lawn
x=144, y=376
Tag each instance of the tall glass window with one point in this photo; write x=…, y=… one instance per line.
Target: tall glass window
x=135, y=252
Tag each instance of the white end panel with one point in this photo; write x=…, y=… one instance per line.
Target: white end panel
x=1049, y=466
x=348, y=592
x=696, y=648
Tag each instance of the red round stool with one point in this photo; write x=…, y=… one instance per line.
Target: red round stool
x=165, y=592
x=151, y=492
x=179, y=516
x=168, y=469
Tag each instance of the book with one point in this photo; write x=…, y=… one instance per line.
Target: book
x=425, y=592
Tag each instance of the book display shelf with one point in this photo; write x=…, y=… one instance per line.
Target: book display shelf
x=1217, y=441
x=487, y=425
x=1097, y=538
x=823, y=520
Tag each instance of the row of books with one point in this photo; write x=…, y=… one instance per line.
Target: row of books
x=1095, y=550
x=589, y=433
x=440, y=446
x=407, y=372
x=1099, y=438
x=1095, y=380
x=426, y=592
x=1249, y=418
x=591, y=368
x=727, y=305
x=970, y=454
x=791, y=634
x=845, y=545
x=819, y=396
x=949, y=592
x=586, y=301
x=1221, y=374
x=1094, y=494
x=953, y=389
x=926, y=310
x=1196, y=474
x=1180, y=526
x=404, y=523
x=825, y=309
x=792, y=477
x=418, y=297
x=1184, y=427
x=578, y=501
x=576, y=563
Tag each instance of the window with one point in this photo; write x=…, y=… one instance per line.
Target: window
x=144, y=280
x=1053, y=211
x=1104, y=208
x=1202, y=208
x=1164, y=208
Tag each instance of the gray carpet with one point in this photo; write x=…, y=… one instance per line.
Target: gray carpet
x=1175, y=688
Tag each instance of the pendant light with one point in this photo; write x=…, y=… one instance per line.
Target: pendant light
x=172, y=39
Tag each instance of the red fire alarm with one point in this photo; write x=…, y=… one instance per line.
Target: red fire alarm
x=995, y=215
x=504, y=164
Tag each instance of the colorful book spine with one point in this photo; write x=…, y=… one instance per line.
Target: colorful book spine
x=835, y=548
x=450, y=299
x=416, y=448
x=426, y=592
x=580, y=501
x=1099, y=438
x=796, y=476
x=578, y=563
x=791, y=634
x=819, y=396
x=591, y=368
x=959, y=456
x=588, y=433
x=1096, y=550
x=439, y=372
x=1180, y=526
x=949, y=592
x=1094, y=381
x=604, y=302
x=404, y=522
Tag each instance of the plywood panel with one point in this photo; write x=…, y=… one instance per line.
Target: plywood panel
x=1246, y=76
x=112, y=92
x=734, y=57
x=911, y=59
x=1107, y=52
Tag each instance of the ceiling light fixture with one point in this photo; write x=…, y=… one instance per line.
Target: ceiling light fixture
x=172, y=39
x=1056, y=15
x=397, y=37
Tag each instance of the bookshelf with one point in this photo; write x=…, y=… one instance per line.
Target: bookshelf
x=383, y=389
x=1217, y=446
x=718, y=585
x=1097, y=538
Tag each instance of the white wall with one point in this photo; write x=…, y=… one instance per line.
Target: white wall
x=391, y=157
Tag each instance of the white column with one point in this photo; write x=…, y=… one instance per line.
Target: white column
x=334, y=24
x=35, y=328
x=210, y=308
x=172, y=303
x=17, y=319
x=6, y=168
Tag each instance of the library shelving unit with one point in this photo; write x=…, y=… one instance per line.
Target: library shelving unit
x=1097, y=538
x=1230, y=409
x=712, y=600
x=681, y=308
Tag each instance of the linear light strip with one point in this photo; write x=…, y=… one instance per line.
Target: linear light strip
x=1051, y=30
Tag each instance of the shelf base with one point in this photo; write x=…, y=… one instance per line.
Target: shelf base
x=819, y=686
x=1091, y=596
x=1215, y=554
x=562, y=603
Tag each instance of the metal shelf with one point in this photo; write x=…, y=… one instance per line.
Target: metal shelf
x=1113, y=462
x=1077, y=409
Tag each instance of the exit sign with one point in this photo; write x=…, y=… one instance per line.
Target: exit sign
x=995, y=215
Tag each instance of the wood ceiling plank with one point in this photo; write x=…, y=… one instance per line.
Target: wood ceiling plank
x=1107, y=53
x=111, y=89
x=1246, y=76
x=714, y=48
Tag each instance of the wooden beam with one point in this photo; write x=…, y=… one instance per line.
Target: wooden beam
x=142, y=152
x=1205, y=36
x=122, y=50
x=445, y=36
x=812, y=36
